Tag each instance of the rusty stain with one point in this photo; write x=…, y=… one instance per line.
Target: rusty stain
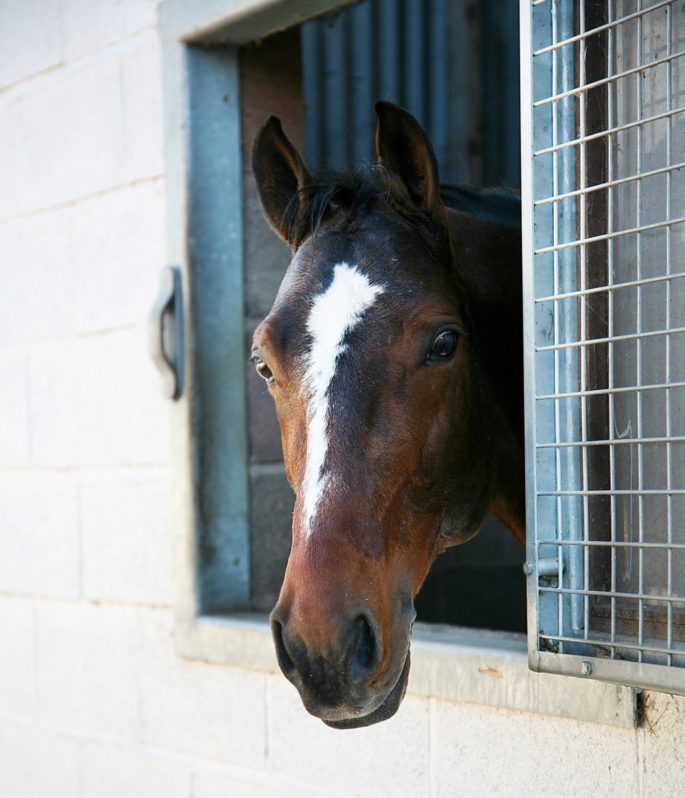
x=491, y=672
x=649, y=705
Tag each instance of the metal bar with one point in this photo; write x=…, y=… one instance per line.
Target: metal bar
x=640, y=597
x=599, y=28
x=579, y=609
x=669, y=463
x=638, y=266
x=617, y=644
x=613, y=391
x=628, y=284
x=644, y=492
x=611, y=184
x=626, y=544
x=610, y=131
x=612, y=441
x=530, y=372
x=610, y=323
x=555, y=238
x=627, y=337
x=603, y=82
x=608, y=236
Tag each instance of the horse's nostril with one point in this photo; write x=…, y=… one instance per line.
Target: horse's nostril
x=284, y=659
x=364, y=650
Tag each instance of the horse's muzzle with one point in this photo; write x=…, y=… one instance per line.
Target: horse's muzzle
x=346, y=684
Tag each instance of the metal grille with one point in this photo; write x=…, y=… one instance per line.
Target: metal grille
x=603, y=98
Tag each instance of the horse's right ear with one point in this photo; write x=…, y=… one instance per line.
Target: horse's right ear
x=280, y=175
x=406, y=153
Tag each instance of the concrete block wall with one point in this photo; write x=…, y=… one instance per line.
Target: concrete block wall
x=94, y=700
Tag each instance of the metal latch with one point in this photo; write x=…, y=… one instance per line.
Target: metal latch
x=165, y=332
x=546, y=566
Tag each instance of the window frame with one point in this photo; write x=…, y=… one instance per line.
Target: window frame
x=202, y=146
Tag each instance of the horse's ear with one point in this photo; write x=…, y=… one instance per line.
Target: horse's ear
x=406, y=152
x=280, y=175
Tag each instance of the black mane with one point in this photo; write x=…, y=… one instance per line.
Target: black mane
x=353, y=192
x=331, y=191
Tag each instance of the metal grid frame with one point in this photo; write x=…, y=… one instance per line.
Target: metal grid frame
x=604, y=601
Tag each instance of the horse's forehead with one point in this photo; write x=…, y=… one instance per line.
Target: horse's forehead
x=392, y=258
x=329, y=300
x=397, y=259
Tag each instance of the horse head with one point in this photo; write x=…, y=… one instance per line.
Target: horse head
x=386, y=418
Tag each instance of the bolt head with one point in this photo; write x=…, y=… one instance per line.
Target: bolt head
x=586, y=668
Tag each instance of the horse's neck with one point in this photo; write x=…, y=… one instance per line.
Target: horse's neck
x=489, y=262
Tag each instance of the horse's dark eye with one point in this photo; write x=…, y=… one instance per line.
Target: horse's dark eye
x=443, y=347
x=263, y=370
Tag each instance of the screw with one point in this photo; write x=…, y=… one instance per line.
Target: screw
x=586, y=667
x=528, y=568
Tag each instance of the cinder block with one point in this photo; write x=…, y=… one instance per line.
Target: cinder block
x=30, y=38
x=87, y=267
x=12, y=170
x=36, y=764
x=271, y=510
x=229, y=784
x=14, y=429
x=72, y=126
x=305, y=749
x=478, y=751
x=17, y=677
x=109, y=771
x=142, y=82
x=88, y=660
x=97, y=401
x=117, y=243
x=38, y=300
x=201, y=710
x=92, y=26
x=39, y=535
x=127, y=538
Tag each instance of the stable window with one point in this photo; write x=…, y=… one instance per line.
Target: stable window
x=604, y=182
x=602, y=189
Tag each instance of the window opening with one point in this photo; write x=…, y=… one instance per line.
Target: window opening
x=455, y=67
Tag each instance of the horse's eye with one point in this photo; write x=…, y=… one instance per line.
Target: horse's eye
x=263, y=370
x=443, y=347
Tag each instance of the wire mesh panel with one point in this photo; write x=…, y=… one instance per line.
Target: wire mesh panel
x=604, y=99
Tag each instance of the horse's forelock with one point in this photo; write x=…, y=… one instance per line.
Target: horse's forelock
x=327, y=192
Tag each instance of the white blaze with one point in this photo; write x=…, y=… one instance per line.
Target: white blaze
x=333, y=314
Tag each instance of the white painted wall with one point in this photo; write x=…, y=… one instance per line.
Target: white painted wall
x=94, y=700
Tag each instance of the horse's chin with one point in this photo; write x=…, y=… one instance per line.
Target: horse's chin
x=386, y=710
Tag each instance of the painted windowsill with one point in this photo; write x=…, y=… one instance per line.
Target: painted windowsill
x=450, y=663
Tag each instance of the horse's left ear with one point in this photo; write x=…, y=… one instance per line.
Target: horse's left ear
x=406, y=152
x=280, y=174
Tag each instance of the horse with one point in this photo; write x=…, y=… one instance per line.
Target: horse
x=393, y=353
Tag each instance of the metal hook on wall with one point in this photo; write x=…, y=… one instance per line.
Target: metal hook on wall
x=165, y=332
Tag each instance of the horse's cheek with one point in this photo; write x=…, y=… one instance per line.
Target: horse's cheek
x=291, y=420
